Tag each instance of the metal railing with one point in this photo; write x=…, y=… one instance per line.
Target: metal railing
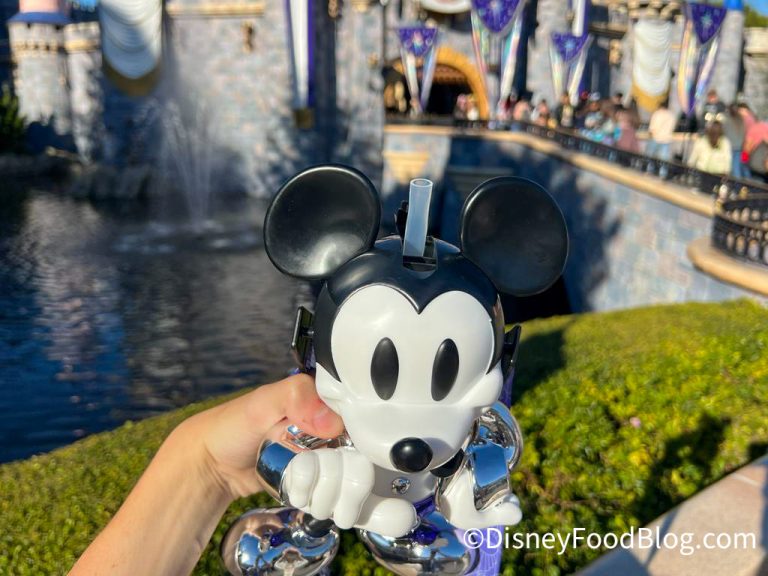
x=717, y=185
x=740, y=222
x=740, y=227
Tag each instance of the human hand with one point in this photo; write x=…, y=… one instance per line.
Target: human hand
x=230, y=434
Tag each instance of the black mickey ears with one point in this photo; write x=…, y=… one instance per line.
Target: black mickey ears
x=514, y=231
x=320, y=219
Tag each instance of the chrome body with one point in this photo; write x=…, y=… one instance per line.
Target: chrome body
x=272, y=461
x=287, y=541
x=491, y=454
x=434, y=547
x=277, y=541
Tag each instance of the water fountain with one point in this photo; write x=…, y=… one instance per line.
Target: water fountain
x=195, y=193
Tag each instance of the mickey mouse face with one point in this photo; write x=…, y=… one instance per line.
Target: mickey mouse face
x=410, y=383
x=410, y=358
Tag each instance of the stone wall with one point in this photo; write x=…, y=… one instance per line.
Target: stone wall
x=550, y=17
x=628, y=248
x=233, y=60
x=358, y=86
x=248, y=91
x=40, y=77
x=725, y=77
x=84, y=79
x=756, y=70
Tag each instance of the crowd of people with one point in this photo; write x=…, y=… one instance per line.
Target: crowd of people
x=727, y=140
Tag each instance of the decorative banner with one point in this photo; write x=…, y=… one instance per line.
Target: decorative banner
x=652, y=49
x=131, y=42
x=497, y=26
x=568, y=57
x=418, y=42
x=698, y=53
x=446, y=6
x=496, y=15
x=302, y=61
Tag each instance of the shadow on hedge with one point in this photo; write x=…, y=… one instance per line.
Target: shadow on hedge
x=540, y=356
x=693, y=452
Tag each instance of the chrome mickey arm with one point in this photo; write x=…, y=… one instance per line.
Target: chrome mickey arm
x=478, y=494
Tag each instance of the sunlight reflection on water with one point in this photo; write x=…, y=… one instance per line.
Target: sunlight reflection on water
x=107, y=316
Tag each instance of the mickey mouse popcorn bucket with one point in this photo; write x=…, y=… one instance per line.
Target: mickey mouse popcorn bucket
x=408, y=346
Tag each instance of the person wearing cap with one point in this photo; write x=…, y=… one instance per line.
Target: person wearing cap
x=712, y=107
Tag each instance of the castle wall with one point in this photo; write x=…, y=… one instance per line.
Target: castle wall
x=85, y=81
x=725, y=77
x=41, y=77
x=358, y=86
x=551, y=17
x=756, y=70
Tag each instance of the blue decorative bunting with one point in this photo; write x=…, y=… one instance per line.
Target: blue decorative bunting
x=707, y=20
x=568, y=46
x=417, y=40
x=496, y=15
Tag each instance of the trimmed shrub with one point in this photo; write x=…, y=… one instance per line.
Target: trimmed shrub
x=625, y=414
x=11, y=123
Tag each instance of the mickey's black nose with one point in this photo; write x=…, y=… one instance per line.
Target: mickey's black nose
x=411, y=455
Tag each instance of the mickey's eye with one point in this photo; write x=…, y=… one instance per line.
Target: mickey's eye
x=445, y=369
x=384, y=368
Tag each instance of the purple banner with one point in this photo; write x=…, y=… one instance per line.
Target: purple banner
x=706, y=20
x=568, y=46
x=496, y=15
x=417, y=40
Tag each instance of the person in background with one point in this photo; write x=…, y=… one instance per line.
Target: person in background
x=712, y=151
x=593, y=118
x=607, y=130
x=540, y=114
x=581, y=110
x=522, y=110
x=504, y=113
x=712, y=107
x=735, y=132
x=756, y=150
x=626, y=130
x=746, y=115
x=460, y=110
x=565, y=114
x=661, y=130
x=473, y=112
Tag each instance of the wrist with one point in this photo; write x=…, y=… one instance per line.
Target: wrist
x=188, y=439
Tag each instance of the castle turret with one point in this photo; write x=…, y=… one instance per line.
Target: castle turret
x=550, y=17
x=725, y=78
x=41, y=76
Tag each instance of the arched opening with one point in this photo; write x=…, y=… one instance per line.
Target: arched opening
x=455, y=74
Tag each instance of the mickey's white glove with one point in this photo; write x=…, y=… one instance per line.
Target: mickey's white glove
x=338, y=483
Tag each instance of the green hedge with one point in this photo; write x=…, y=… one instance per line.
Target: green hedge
x=625, y=414
x=12, y=127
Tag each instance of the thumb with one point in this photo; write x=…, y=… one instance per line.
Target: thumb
x=295, y=401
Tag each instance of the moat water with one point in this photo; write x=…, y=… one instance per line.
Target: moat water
x=112, y=313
